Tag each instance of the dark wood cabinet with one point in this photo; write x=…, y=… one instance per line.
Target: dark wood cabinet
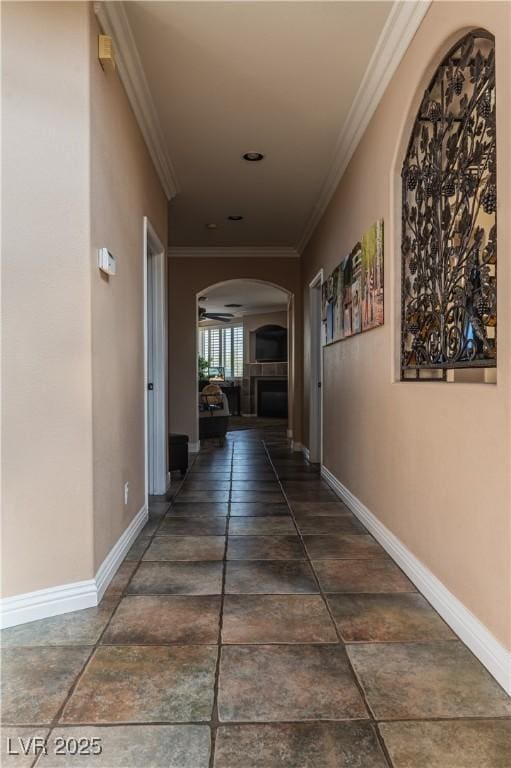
x=233, y=394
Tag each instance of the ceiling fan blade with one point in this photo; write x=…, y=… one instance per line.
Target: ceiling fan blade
x=218, y=315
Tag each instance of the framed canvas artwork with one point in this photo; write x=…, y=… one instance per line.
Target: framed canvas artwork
x=352, y=295
x=372, y=277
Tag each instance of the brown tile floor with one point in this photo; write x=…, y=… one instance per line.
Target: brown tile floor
x=254, y=624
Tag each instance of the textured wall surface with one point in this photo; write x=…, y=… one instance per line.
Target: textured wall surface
x=78, y=177
x=430, y=460
x=124, y=189
x=46, y=325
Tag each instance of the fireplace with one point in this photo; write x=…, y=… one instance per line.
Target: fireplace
x=254, y=373
x=272, y=398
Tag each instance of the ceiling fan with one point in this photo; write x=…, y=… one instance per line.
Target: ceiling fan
x=223, y=317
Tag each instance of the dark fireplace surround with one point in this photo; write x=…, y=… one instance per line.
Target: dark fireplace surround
x=264, y=385
x=254, y=374
x=272, y=398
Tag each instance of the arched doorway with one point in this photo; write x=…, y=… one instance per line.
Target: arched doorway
x=245, y=344
x=188, y=278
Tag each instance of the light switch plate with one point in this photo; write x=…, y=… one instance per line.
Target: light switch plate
x=106, y=261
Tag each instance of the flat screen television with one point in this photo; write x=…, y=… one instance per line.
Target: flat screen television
x=271, y=344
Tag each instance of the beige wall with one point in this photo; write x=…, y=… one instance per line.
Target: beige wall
x=431, y=460
x=189, y=276
x=46, y=324
x=78, y=177
x=124, y=189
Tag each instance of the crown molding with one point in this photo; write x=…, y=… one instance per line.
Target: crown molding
x=402, y=23
x=114, y=22
x=233, y=252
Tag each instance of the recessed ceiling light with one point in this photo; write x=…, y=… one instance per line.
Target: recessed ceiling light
x=233, y=305
x=235, y=218
x=253, y=157
x=211, y=226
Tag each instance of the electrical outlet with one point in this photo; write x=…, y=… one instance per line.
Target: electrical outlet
x=126, y=492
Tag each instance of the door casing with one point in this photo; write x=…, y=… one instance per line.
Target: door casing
x=157, y=476
x=316, y=371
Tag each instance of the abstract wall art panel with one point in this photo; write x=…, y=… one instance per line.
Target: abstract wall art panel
x=372, y=277
x=353, y=293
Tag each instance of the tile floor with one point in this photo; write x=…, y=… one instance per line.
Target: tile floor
x=254, y=624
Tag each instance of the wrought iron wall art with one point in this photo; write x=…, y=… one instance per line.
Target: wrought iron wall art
x=449, y=225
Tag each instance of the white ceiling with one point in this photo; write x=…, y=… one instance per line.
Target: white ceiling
x=228, y=77
x=255, y=298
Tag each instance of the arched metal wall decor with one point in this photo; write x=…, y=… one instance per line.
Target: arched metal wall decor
x=449, y=224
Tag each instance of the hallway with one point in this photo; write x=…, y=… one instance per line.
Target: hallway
x=274, y=225
x=329, y=657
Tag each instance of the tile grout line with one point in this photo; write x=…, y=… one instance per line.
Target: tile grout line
x=213, y=723
x=214, y=720
x=56, y=718
x=205, y=723
x=180, y=643
x=371, y=718
x=55, y=722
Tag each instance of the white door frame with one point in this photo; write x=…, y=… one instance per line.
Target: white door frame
x=316, y=371
x=153, y=244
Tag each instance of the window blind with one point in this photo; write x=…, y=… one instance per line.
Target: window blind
x=223, y=347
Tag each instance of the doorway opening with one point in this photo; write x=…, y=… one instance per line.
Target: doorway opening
x=316, y=372
x=244, y=346
x=157, y=477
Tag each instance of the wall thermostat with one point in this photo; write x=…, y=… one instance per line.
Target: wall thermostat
x=106, y=261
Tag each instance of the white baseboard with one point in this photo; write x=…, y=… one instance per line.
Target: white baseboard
x=194, y=447
x=112, y=561
x=249, y=415
x=44, y=603
x=490, y=652
x=300, y=448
